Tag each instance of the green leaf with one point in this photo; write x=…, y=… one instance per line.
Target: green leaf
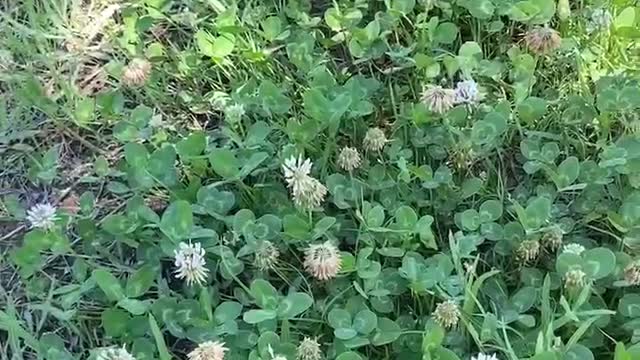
x=537, y=213
x=445, y=33
x=629, y=306
x=140, y=282
x=532, y=109
x=271, y=27
x=109, y=284
x=135, y=307
x=215, y=47
x=214, y=201
x=406, y=218
x=265, y=294
x=626, y=18
x=273, y=99
x=403, y=7
x=339, y=318
x=193, y=145
x=114, y=322
x=470, y=219
x=227, y=311
x=480, y=9
x=349, y=355
x=224, y=163
x=136, y=155
x=598, y=262
x=365, y=321
x=388, y=331
x=177, y=221
x=157, y=336
x=568, y=172
x=294, y=304
x=258, y=316
x=490, y=210
x=118, y=224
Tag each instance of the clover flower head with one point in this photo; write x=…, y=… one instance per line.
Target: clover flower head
x=114, y=353
x=374, y=139
x=447, y=314
x=349, y=159
x=438, y=99
x=42, y=216
x=323, y=260
x=190, y=263
x=309, y=349
x=136, y=72
x=208, y=350
x=542, y=40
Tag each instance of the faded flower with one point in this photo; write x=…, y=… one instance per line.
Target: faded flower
x=574, y=278
x=573, y=248
x=438, y=99
x=447, y=314
x=209, y=350
x=349, y=159
x=528, y=250
x=632, y=273
x=42, y=216
x=266, y=256
x=374, y=139
x=322, y=261
x=234, y=113
x=136, y=72
x=309, y=349
x=552, y=239
x=190, y=263
x=114, y=353
x=542, y=40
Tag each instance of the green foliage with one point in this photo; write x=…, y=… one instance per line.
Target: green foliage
x=506, y=183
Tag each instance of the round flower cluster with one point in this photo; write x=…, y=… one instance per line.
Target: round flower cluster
x=307, y=191
x=136, y=72
x=574, y=279
x=349, y=159
x=542, y=40
x=374, y=139
x=209, y=350
x=42, y=216
x=447, y=314
x=528, y=250
x=322, y=261
x=573, y=248
x=190, y=263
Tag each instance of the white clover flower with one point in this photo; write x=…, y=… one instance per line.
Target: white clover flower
x=266, y=256
x=42, y=216
x=438, y=99
x=467, y=92
x=601, y=20
x=632, y=273
x=114, y=353
x=307, y=192
x=209, y=350
x=528, y=250
x=349, y=159
x=374, y=139
x=322, y=261
x=482, y=356
x=447, y=314
x=189, y=259
x=573, y=248
x=234, y=113
x=296, y=173
x=574, y=278
x=309, y=349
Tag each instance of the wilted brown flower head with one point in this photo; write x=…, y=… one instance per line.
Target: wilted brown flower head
x=542, y=40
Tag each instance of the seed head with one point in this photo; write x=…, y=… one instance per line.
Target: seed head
x=438, y=99
x=467, y=92
x=42, y=216
x=573, y=248
x=309, y=349
x=374, y=139
x=542, y=40
x=115, y=353
x=528, y=250
x=322, y=261
x=632, y=273
x=349, y=159
x=190, y=263
x=266, y=256
x=136, y=72
x=552, y=239
x=209, y=350
x=574, y=279
x=482, y=356
x=447, y=314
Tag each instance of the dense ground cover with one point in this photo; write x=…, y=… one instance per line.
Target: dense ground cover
x=297, y=179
